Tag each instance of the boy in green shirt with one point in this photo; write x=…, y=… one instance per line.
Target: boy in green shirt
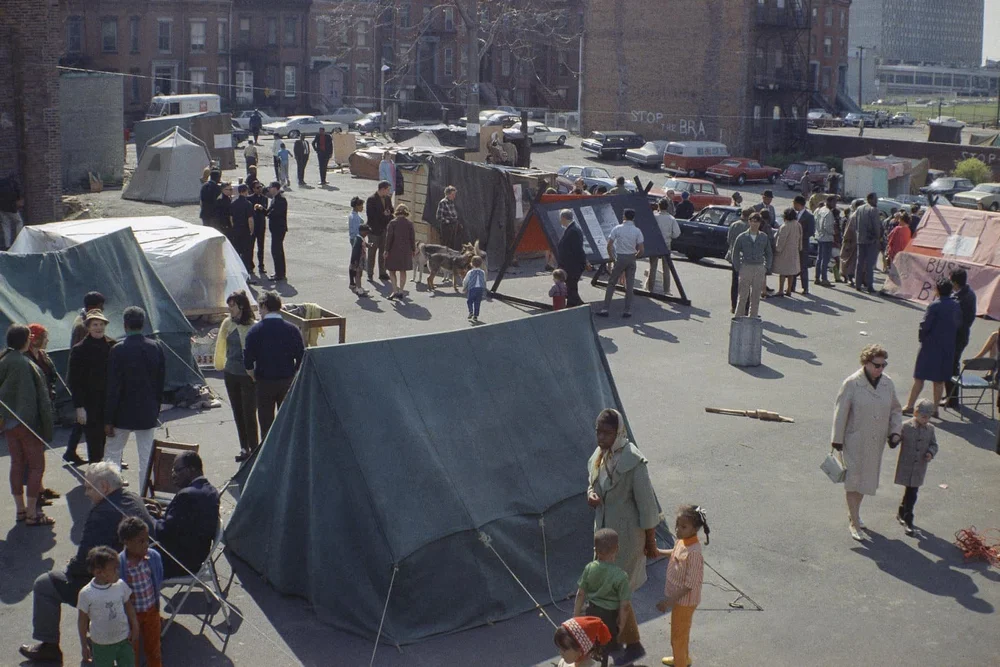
x=604, y=586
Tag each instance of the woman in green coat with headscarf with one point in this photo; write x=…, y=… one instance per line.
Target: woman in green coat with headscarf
x=623, y=499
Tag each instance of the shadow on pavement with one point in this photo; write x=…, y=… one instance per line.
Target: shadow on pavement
x=782, y=350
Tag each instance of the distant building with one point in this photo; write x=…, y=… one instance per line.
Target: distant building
x=828, y=51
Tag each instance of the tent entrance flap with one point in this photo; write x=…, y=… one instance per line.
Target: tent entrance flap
x=485, y=430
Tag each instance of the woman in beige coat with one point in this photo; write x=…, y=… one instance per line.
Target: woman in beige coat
x=867, y=414
x=787, y=247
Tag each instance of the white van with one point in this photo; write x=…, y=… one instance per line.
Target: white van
x=173, y=105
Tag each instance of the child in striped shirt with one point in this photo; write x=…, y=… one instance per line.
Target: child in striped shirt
x=142, y=569
x=685, y=573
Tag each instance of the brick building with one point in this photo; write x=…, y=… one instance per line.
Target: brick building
x=828, y=53
x=29, y=104
x=344, y=58
x=737, y=74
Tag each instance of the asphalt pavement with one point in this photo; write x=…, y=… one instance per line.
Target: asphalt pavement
x=779, y=527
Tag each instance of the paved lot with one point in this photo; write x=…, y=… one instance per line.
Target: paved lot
x=779, y=529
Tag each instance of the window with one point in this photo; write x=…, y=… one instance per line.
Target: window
x=222, y=76
x=163, y=35
x=245, y=32
x=134, y=81
x=827, y=46
x=198, y=38
x=827, y=74
x=449, y=18
x=828, y=17
x=289, y=80
x=449, y=61
x=272, y=32
x=223, y=35
x=291, y=31
x=133, y=34
x=109, y=35
x=74, y=34
x=404, y=15
x=197, y=77
x=843, y=19
x=505, y=63
x=359, y=89
x=362, y=33
x=563, y=60
x=244, y=86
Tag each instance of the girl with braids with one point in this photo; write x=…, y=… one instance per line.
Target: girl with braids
x=685, y=573
x=623, y=499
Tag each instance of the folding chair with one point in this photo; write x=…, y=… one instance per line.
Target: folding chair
x=162, y=463
x=966, y=380
x=207, y=579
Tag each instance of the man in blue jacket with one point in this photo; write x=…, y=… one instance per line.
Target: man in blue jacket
x=808, y=222
x=189, y=524
x=136, y=373
x=572, y=258
x=272, y=354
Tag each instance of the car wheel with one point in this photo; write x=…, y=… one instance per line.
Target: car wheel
x=593, y=189
x=790, y=186
x=995, y=207
x=741, y=179
x=338, y=130
x=691, y=173
x=562, y=140
x=694, y=256
x=294, y=134
x=772, y=179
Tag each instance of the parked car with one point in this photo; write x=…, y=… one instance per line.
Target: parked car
x=903, y=118
x=947, y=187
x=702, y=193
x=243, y=118
x=304, y=126
x=705, y=234
x=593, y=177
x=886, y=207
x=741, y=170
x=868, y=118
x=538, y=133
x=987, y=194
x=692, y=158
x=909, y=200
x=818, y=114
x=611, y=144
x=649, y=155
x=792, y=176
x=372, y=120
x=345, y=115
x=239, y=134
x=493, y=118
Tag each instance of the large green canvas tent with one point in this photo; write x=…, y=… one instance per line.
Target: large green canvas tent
x=48, y=288
x=390, y=462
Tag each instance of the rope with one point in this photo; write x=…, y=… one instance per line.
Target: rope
x=395, y=569
x=545, y=554
x=974, y=546
x=735, y=604
x=153, y=542
x=488, y=541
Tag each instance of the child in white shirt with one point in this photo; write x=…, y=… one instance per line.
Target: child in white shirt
x=106, y=612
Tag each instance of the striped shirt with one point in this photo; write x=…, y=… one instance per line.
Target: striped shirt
x=139, y=578
x=686, y=569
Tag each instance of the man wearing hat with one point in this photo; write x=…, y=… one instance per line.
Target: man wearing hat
x=88, y=381
x=685, y=209
x=277, y=216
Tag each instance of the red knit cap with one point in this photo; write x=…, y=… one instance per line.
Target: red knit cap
x=37, y=331
x=588, y=631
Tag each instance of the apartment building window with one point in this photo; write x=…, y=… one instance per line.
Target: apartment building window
x=404, y=15
x=827, y=74
x=134, y=81
x=272, y=32
x=244, y=86
x=505, y=63
x=449, y=18
x=289, y=80
x=363, y=33
x=223, y=35
x=222, y=76
x=163, y=35
x=843, y=19
x=359, y=89
x=828, y=17
x=291, y=31
x=133, y=34
x=827, y=46
x=245, y=31
x=198, y=37
x=449, y=61
x=197, y=79
x=74, y=34
x=563, y=60
x=109, y=35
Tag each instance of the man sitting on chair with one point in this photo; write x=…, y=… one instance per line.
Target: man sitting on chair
x=189, y=524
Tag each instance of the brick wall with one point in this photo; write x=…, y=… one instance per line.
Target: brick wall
x=30, y=44
x=92, y=122
x=674, y=70
x=941, y=156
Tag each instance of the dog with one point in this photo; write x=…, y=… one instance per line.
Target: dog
x=425, y=250
x=449, y=260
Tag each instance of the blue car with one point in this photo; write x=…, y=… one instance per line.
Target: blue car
x=706, y=234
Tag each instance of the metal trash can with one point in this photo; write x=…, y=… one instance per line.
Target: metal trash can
x=745, y=334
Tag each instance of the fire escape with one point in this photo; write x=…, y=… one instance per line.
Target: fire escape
x=779, y=76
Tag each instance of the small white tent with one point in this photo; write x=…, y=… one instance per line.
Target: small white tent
x=170, y=169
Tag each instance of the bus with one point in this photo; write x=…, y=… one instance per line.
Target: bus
x=173, y=105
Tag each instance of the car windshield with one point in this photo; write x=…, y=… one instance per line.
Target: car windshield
x=679, y=186
x=712, y=216
x=731, y=163
x=650, y=146
x=596, y=135
x=597, y=172
x=987, y=187
x=943, y=183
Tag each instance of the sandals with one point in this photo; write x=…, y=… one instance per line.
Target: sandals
x=21, y=516
x=39, y=520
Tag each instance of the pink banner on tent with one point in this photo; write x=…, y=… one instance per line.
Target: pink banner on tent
x=913, y=277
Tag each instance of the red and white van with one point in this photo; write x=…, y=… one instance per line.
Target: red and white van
x=693, y=158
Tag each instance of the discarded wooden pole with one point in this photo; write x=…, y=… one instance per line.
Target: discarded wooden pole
x=762, y=415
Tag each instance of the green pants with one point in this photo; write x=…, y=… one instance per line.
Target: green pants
x=109, y=655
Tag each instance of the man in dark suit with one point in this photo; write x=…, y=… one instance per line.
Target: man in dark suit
x=189, y=524
x=967, y=301
x=301, y=152
x=572, y=258
x=277, y=216
x=323, y=145
x=378, y=210
x=210, y=193
x=808, y=222
x=241, y=212
x=259, y=202
x=136, y=373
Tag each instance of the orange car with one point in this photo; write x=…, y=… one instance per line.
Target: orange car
x=702, y=193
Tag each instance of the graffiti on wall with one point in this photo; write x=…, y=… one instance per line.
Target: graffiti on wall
x=982, y=157
x=691, y=128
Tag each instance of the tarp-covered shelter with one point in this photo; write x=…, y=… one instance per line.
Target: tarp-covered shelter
x=948, y=238
x=488, y=432
x=48, y=288
x=197, y=264
x=887, y=176
x=169, y=170
x=212, y=128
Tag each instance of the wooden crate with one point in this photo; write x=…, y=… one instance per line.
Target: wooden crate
x=414, y=191
x=326, y=319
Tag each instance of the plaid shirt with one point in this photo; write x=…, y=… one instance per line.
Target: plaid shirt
x=446, y=212
x=140, y=579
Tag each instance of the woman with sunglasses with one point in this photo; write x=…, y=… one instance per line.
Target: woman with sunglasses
x=867, y=414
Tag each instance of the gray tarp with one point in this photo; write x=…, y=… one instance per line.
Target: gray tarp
x=48, y=288
x=484, y=429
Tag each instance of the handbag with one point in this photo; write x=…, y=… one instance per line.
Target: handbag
x=833, y=466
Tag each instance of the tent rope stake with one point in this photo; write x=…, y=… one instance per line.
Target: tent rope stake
x=395, y=569
x=545, y=555
x=488, y=541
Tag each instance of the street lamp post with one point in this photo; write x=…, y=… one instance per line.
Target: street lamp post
x=385, y=68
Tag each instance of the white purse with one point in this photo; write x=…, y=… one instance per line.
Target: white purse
x=833, y=466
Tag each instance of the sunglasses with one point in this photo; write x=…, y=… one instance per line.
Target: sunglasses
x=882, y=365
